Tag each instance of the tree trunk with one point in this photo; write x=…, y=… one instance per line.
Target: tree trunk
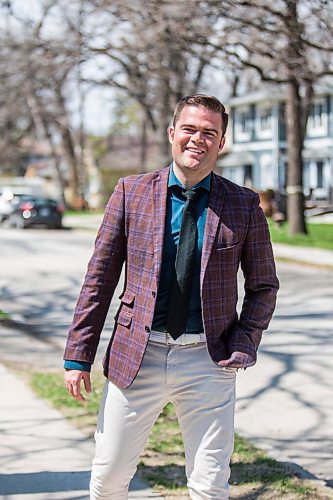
x=143, y=160
x=41, y=125
x=295, y=196
x=56, y=161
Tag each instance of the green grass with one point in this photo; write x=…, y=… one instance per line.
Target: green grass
x=51, y=386
x=319, y=236
x=4, y=315
x=253, y=472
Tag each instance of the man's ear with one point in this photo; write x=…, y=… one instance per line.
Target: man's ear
x=222, y=143
x=171, y=134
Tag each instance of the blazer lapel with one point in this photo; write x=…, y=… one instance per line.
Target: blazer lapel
x=160, y=189
x=214, y=212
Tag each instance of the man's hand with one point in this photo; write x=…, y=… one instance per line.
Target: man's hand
x=237, y=360
x=72, y=379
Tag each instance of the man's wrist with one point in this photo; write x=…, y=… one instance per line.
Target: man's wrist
x=83, y=366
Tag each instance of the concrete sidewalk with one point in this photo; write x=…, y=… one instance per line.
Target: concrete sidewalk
x=306, y=255
x=43, y=457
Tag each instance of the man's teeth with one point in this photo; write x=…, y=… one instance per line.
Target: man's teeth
x=195, y=150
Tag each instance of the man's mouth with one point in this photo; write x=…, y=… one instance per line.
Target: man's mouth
x=195, y=151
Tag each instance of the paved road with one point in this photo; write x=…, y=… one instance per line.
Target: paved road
x=41, y=273
x=285, y=403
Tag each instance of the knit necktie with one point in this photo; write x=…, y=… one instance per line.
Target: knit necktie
x=184, y=266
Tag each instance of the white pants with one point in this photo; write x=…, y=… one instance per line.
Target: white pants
x=204, y=396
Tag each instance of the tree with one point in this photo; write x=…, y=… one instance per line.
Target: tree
x=40, y=69
x=144, y=51
x=289, y=43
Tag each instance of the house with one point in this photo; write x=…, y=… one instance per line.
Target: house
x=257, y=153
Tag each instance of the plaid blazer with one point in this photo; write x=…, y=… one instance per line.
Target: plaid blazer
x=132, y=232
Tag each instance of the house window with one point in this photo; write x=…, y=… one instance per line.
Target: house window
x=265, y=119
x=317, y=122
x=242, y=124
x=264, y=122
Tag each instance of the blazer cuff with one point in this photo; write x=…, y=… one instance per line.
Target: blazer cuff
x=241, y=342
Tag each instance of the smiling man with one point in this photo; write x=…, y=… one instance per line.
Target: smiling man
x=182, y=233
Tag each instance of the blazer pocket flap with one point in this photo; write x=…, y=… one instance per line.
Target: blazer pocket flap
x=124, y=318
x=226, y=245
x=127, y=297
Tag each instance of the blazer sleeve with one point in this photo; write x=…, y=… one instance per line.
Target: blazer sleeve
x=101, y=279
x=261, y=285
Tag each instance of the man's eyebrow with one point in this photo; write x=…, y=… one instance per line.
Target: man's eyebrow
x=207, y=129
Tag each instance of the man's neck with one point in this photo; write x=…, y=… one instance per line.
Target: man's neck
x=189, y=179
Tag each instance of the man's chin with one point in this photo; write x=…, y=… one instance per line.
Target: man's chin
x=193, y=165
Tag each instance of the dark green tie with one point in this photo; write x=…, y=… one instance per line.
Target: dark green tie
x=184, y=267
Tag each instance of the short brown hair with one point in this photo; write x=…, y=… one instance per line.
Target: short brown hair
x=208, y=101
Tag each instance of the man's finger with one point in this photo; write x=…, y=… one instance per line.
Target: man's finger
x=87, y=382
x=230, y=363
x=225, y=362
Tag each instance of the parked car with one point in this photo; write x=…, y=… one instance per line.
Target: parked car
x=9, y=199
x=36, y=211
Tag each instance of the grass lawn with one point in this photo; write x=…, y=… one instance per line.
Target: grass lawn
x=4, y=315
x=253, y=474
x=319, y=236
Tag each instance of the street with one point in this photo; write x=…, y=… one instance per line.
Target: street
x=285, y=402
x=41, y=273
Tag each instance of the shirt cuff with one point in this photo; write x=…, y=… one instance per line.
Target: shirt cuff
x=83, y=366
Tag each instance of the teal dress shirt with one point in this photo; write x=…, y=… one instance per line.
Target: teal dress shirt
x=174, y=211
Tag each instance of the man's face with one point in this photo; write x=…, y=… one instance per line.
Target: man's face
x=196, y=140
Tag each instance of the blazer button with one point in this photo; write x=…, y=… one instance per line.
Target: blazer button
x=147, y=329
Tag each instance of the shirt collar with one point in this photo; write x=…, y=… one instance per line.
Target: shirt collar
x=174, y=181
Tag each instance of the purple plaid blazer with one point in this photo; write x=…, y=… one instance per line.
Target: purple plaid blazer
x=132, y=232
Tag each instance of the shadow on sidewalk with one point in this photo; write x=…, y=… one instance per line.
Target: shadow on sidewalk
x=56, y=482
x=43, y=482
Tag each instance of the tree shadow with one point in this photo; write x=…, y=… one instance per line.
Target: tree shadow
x=44, y=482
x=263, y=476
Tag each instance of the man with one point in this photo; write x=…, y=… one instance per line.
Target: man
x=182, y=233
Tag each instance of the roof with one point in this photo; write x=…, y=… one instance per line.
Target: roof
x=273, y=94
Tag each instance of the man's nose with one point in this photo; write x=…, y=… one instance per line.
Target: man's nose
x=197, y=137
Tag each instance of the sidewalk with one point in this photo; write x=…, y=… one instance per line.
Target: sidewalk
x=43, y=457
x=307, y=255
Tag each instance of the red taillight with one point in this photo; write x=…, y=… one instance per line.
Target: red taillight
x=60, y=208
x=26, y=206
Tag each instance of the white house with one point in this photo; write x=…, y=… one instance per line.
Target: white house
x=257, y=153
